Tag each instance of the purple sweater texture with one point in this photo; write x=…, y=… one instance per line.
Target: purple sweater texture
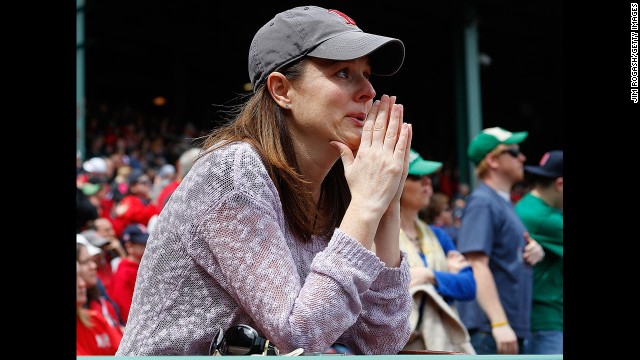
x=220, y=254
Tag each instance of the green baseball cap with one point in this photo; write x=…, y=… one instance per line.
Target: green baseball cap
x=488, y=139
x=90, y=189
x=420, y=166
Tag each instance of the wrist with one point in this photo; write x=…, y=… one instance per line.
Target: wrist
x=365, y=207
x=499, y=324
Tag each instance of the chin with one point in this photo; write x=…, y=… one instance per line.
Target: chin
x=519, y=176
x=353, y=143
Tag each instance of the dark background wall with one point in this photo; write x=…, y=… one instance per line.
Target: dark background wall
x=194, y=53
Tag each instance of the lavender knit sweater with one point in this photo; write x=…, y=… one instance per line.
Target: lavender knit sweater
x=220, y=254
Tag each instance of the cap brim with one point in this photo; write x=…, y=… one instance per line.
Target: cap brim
x=424, y=167
x=90, y=189
x=540, y=171
x=91, y=249
x=100, y=243
x=140, y=239
x=516, y=137
x=386, y=54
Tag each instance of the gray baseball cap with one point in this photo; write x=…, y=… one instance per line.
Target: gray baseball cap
x=319, y=32
x=94, y=238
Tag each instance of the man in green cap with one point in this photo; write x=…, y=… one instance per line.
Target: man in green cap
x=498, y=246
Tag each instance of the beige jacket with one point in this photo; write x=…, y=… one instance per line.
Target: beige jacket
x=441, y=328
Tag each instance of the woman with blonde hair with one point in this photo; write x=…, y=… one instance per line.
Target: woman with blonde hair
x=439, y=272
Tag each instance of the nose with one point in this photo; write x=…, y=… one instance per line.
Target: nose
x=366, y=91
x=81, y=283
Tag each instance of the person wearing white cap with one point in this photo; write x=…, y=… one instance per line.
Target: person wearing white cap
x=274, y=224
x=95, y=166
x=94, y=335
x=97, y=298
x=92, y=250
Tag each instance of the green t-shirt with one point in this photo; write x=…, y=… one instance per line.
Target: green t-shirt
x=545, y=225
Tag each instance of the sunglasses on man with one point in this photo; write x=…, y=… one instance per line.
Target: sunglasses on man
x=511, y=151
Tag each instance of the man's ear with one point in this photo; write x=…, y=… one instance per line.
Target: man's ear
x=278, y=86
x=491, y=160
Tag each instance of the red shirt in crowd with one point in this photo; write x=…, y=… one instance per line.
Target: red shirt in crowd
x=106, y=309
x=122, y=284
x=99, y=339
x=136, y=212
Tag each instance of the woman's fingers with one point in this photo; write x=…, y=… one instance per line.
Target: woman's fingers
x=394, y=127
x=345, y=152
x=401, y=153
x=382, y=118
x=403, y=145
x=367, y=131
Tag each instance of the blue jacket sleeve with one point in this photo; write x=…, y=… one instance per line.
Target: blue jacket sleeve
x=444, y=239
x=460, y=286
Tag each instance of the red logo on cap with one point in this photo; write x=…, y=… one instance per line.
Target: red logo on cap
x=344, y=16
x=544, y=159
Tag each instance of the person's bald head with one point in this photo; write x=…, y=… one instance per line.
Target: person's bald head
x=104, y=227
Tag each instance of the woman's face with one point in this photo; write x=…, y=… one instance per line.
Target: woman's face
x=445, y=217
x=81, y=287
x=330, y=102
x=416, y=193
x=135, y=249
x=142, y=186
x=88, y=268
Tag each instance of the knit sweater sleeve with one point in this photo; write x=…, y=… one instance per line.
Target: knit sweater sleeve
x=221, y=254
x=347, y=292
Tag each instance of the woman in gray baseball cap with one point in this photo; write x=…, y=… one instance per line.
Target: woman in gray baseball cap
x=270, y=234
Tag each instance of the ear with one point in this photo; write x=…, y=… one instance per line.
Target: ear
x=279, y=86
x=491, y=160
x=559, y=183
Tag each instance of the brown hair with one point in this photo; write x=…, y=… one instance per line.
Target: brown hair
x=263, y=124
x=438, y=203
x=82, y=313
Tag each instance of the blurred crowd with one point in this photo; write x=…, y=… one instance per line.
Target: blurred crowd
x=133, y=162
x=132, y=165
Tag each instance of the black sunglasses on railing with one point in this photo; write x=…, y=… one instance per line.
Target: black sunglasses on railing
x=240, y=340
